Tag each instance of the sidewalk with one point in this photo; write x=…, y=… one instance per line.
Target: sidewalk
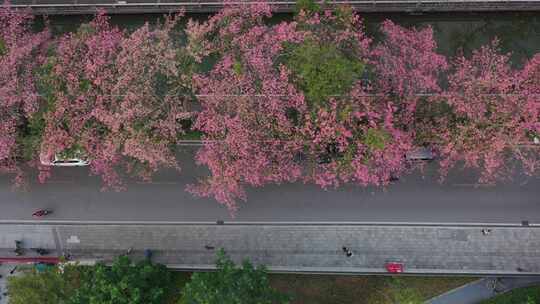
x=483, y=289
x=302, y=248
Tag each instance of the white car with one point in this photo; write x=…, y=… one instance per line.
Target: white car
x=63, y=162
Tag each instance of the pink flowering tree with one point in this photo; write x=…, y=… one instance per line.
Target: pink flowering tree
x=245, y=100
x=115, y=99
x=407, y=66
x=277, y=114
x=79, y=78
x=154, y=93
x=494, y=116
x=21, y=51
x=350, y=132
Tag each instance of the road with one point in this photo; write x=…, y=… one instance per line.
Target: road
x=416, y=198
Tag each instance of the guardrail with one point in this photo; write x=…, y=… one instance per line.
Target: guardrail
x=75, y=7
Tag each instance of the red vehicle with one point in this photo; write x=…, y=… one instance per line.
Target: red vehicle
x=394, y=267
x=41, y=213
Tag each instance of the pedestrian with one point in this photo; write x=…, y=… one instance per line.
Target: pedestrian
x=130, y=249
x=148, y=254
x=13, y=270
x=67, y=256
x=486, y=231
x=347, y=251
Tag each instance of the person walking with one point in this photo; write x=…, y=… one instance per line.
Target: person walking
x=348, y=252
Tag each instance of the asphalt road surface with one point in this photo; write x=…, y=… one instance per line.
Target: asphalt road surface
x=416, y=198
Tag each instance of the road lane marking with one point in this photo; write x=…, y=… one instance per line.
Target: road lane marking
x=59, y=182
x=156, y=183
x=473, y=185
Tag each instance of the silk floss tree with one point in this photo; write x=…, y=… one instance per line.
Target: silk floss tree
x=494, y=116
x=354, y=127
x=249, y=138
x=21, y=52
x=80, y=78
x=117, y=98
x=153, y=93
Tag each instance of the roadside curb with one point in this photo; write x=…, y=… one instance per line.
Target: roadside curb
x=368, y=271
x=269, y=223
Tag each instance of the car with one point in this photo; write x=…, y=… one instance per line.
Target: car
x=59, y=161
x=420, y=154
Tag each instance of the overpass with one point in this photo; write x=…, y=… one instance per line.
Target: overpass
x=72, y=7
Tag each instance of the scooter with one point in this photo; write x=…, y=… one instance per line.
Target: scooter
x=41, y=213
x=41, y=251
x=18, y=248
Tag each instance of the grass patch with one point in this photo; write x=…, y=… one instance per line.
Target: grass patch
x=328, y=289
x=527, y=295
x=344, y=289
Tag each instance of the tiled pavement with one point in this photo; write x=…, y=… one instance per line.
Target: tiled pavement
x=423, y=249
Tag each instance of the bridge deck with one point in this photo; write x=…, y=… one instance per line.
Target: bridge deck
x=53, y=7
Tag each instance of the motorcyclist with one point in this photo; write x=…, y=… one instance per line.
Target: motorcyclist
x=41, y=212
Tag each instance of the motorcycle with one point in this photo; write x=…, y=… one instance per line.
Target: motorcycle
x=41, y=213
x=41, y=251
x=18, y=248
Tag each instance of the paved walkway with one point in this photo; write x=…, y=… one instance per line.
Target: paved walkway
x=483, y=289
x=318, y=248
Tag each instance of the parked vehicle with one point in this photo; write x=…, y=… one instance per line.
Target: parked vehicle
x=420, y=154
x=60, y=161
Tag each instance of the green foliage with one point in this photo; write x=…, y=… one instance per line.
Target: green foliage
x=84, y=85
x=231, y=285
x=322, y=70
x=29, y=138
x=123, y=283
x=237, y=68
x=3, y=47
x=308, y=6
x=48, y=287
x=403, y=294
x=75, y=151
x=376, y=139
x=84, y=30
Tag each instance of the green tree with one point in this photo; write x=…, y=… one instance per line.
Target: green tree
x=322, y=70
x=123, y=283
x=308, y=6
x=231, y=285
x=49, y=287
